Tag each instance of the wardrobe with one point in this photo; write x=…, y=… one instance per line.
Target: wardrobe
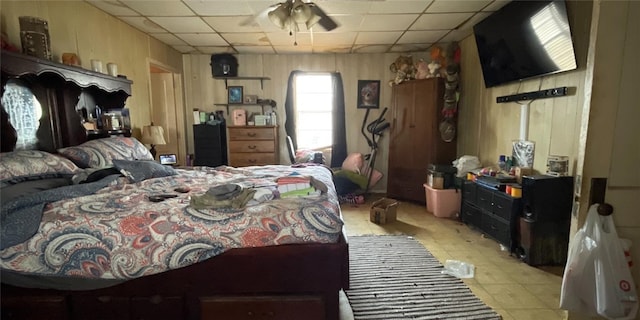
x=415, y=140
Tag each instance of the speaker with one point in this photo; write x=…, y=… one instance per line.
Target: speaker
x=547, y=198
x=543, y=243
x=224, y=65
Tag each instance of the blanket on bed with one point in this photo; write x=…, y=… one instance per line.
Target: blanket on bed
x=117, y=233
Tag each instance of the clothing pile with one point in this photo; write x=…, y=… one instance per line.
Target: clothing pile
x=296, y=185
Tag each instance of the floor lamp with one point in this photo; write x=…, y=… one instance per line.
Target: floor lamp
x=153, y=135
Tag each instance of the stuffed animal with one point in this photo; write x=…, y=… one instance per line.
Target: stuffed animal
x=434, y=69
x=403, y=68
x=422, y=69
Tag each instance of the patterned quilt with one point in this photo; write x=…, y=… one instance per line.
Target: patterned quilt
x=117, y=233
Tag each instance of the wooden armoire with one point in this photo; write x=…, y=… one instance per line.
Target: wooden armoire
x=415, y=140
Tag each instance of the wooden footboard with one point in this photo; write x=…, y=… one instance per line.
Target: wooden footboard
x=298, y=281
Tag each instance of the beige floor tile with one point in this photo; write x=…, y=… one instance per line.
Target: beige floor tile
x=513, y=296
x=506, y=284
x=535, y=314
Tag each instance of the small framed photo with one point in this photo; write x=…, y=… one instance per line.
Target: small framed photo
x=168, y=159
x=250, y=99
x=235, y=95
x=369, y=94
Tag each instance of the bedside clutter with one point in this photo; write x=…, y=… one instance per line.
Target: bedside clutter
x=534, y=226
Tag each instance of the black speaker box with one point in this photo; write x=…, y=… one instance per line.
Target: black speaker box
x=547, y=198
x=224, y=65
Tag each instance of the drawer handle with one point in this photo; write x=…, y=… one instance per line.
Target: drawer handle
x=251, y=134
x=499, y=206
x=251, y=147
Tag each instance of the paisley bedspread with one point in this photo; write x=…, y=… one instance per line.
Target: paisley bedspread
x=117, y=233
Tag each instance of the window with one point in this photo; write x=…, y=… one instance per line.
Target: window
x=313, y=107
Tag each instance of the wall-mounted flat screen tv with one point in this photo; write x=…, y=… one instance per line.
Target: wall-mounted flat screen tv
x=524, y=39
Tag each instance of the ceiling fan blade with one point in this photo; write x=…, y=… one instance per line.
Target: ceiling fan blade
x=258, y=16
x=325, y=21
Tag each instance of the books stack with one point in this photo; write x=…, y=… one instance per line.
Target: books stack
x=296, y=186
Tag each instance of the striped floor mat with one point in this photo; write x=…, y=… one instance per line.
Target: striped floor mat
x=395, y=277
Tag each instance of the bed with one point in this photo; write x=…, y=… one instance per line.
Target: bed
x=110, y=252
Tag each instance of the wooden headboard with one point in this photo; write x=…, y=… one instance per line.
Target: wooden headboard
x=63, y=91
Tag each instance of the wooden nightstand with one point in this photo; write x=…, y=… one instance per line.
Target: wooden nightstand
x=253, y=145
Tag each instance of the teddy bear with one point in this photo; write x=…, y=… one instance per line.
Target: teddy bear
x=422, y=69
x=434, y=69
x=403, y=68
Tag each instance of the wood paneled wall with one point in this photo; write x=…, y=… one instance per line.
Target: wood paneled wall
x=202, y=91
x=80, y=28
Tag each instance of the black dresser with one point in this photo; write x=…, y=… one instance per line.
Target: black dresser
x=493, y=212
x=210, y=144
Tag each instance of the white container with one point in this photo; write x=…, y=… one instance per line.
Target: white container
x=96, y=65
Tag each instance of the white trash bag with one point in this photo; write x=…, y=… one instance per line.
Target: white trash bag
x=458, y=269
x=465, y=164
x=597, y=279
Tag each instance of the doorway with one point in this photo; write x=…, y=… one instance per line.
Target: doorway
x=167, y=109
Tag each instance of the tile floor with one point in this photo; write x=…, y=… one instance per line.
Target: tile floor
x=511, y=287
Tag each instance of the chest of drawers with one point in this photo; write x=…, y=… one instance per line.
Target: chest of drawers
x=253, y=145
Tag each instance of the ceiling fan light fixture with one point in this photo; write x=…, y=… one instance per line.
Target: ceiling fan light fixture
x=313, y=20
x=279, y=16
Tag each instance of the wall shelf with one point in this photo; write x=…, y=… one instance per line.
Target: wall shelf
x=261, y=105
x=261, y=79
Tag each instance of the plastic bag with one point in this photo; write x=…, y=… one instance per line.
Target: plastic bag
x=458, y=269
x=465, y=164
x=597, y=279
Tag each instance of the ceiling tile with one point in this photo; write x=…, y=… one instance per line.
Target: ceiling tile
x=440, y=21
x=246, y=39
x=255, y=49
x=378, y=37
x=212, y=50
x=219, y=8
x=292, y=49
x=284, y=39
x=389, y=7
x=331, y=49
x=422, y=36
x=457, y=6
x=410, y=47
x=333, y=39
x=345, y=7
x=496, y=5
x=387, y=22
x=160, y=8
x=468, y=25
x=182, y=24
x=202, y=39
x=370, y=48
x=184, y=49
x=233, y=24
x=169, y=39
x=113, y=7
x=143, y=24
x=347, y=22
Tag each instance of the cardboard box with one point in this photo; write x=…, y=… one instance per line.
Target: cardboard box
x=435, y=180
x=383, y=211
x=521, y=172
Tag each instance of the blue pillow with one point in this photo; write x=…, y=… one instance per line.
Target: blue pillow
x=141, y=170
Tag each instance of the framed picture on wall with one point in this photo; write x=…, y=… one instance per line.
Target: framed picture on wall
x=235, y=95
x=369, y=94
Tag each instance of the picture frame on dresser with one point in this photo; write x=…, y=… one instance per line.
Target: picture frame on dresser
x=235, y=95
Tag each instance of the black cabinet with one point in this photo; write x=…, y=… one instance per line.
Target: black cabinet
x=210, y=144
x=493, y=212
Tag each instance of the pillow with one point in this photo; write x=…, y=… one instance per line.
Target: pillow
x=26, y=165
x=100, y=153
x=138, y=171
x=354, y=162
x=308, y=156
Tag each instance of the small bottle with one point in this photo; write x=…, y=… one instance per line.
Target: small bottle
x=98, y=117
x=502, y=163
x=274, y=119
x=508, y=164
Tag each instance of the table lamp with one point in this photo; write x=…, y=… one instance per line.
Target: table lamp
x=153, y=135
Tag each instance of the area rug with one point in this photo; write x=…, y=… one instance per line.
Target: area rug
x=395, y=277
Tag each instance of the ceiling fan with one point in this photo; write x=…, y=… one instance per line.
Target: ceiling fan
x=287, y=15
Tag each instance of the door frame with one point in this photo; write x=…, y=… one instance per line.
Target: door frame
x=155, y=66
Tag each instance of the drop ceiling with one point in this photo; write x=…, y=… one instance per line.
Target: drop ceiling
x=242, y=26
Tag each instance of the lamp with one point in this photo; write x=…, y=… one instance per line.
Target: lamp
x=153, y=135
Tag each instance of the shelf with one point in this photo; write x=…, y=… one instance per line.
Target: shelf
x=261, y=105
x=243, y=78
